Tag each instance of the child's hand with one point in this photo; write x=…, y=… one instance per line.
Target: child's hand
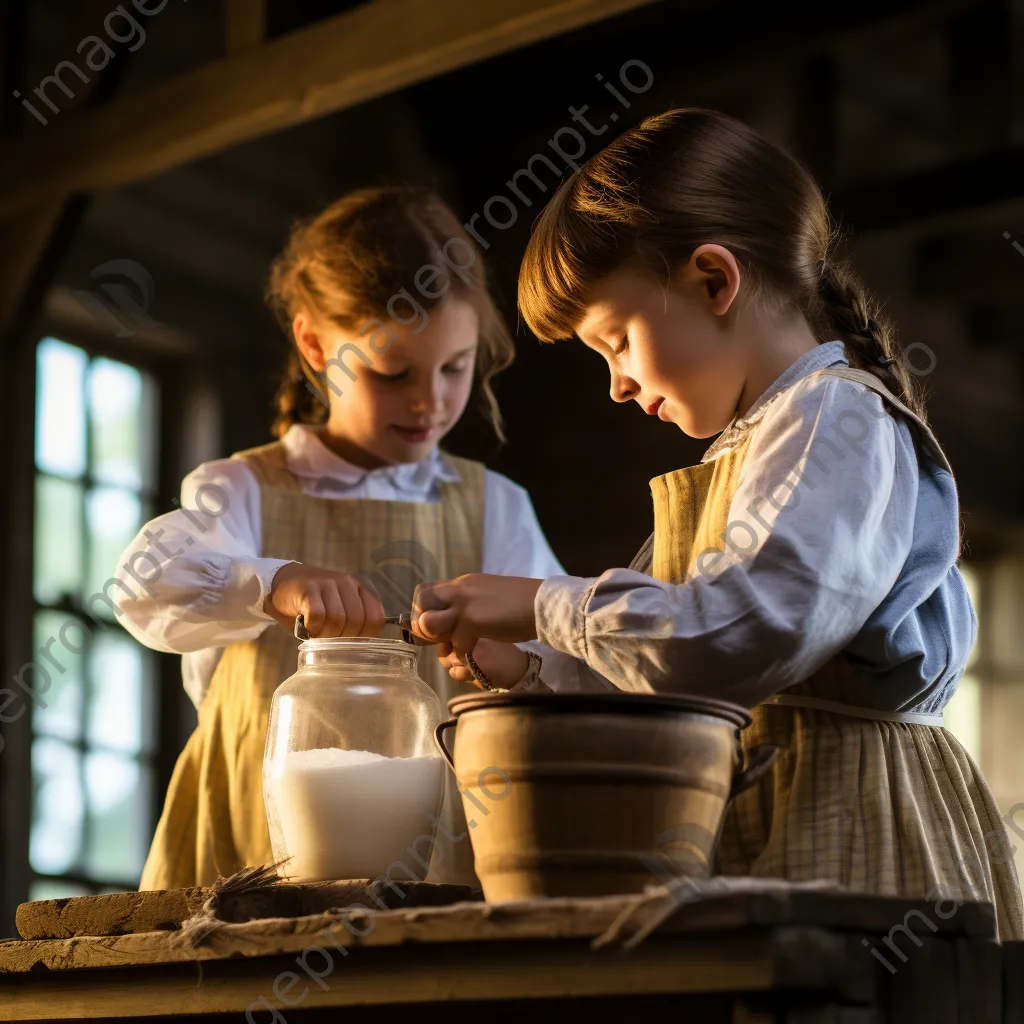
x=503, y=664
x=332, y=603
x=459, y=612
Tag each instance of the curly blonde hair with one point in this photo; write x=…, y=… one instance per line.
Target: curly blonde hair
x=350, y=260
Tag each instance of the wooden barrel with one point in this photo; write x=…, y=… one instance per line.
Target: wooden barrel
x=594, y=794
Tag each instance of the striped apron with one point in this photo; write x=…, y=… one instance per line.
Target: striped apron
x=885, y=802
x=214, y=821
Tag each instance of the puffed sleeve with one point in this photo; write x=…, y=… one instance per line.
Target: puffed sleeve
x=193, y=578
x=818, y=531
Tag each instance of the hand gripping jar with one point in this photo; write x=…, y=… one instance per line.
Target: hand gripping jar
x=351, y=776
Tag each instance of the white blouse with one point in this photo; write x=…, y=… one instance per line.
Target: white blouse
x=201, y=582
x=837, y=540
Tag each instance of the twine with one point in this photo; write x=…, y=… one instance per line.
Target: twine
x=198, y=929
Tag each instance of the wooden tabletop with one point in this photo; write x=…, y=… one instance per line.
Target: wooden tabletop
x=758, y=939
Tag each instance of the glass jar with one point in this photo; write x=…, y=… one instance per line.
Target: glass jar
x=351, y=776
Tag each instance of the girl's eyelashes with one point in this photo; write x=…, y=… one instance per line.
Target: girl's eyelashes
x=377, y=375
x=621, y=345
x=401, y=375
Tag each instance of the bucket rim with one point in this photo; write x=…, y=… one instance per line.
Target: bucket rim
x=611, y=703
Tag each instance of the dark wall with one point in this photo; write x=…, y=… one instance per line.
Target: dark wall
x=868, y=97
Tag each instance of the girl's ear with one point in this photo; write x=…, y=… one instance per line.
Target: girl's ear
x=308, y=341
x=718, y=272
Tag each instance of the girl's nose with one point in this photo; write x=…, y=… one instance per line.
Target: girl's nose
x=623, y=388
x=427, y=397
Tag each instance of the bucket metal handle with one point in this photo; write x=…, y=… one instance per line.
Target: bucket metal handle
x=439, y=741
x=756, y=763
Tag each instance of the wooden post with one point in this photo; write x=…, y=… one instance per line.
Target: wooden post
x=32, y=243
x=245, y=24
x=32, y=239
x=23, y=238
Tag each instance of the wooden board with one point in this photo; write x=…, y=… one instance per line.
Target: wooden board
x=475, y=922
x=338, y=62
x=801, y=979
x=125, y=913
x=114, y=914
x=391, y=977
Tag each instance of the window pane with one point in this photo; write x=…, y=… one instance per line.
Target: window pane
x=58, y=540
x=57, y=802
x=114, y=517
x=60, y=408
x=122, y=407
x=61, y=716
x=119, y=824
x=120, y=695
x=48, y=889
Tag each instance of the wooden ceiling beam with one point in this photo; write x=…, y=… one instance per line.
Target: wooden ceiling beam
x=336, y=63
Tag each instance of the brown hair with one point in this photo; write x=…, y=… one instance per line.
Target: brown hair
x=691, y=176
x=346, y=263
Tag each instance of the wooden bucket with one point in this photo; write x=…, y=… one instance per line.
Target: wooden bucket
x=594, y=794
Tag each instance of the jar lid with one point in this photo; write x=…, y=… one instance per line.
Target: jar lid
x=356, y=644
x=612, y=703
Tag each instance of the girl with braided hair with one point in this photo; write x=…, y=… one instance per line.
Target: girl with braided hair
x=807, y=568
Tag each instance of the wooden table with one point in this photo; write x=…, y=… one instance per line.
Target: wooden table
x=781, y=954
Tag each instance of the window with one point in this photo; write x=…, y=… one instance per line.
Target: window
x=94, y=721
x=986, y=709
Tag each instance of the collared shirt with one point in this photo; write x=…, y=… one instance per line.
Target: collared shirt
x=211, y=584
x=832, y=353
x=856, y=554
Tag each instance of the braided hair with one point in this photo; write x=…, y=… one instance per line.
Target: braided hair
x=869, y=336
x=301, y=396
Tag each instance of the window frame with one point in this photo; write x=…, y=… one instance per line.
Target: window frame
x=178, y=372
x=87, y=483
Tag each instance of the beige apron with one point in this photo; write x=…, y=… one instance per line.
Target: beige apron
x=214, y=821
x=881, y=801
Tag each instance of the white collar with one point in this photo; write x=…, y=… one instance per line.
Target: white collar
x=830, y=353
x=308, y=457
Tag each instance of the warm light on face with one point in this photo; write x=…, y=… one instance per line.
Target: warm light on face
x=665, y=350
x=396, y=391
